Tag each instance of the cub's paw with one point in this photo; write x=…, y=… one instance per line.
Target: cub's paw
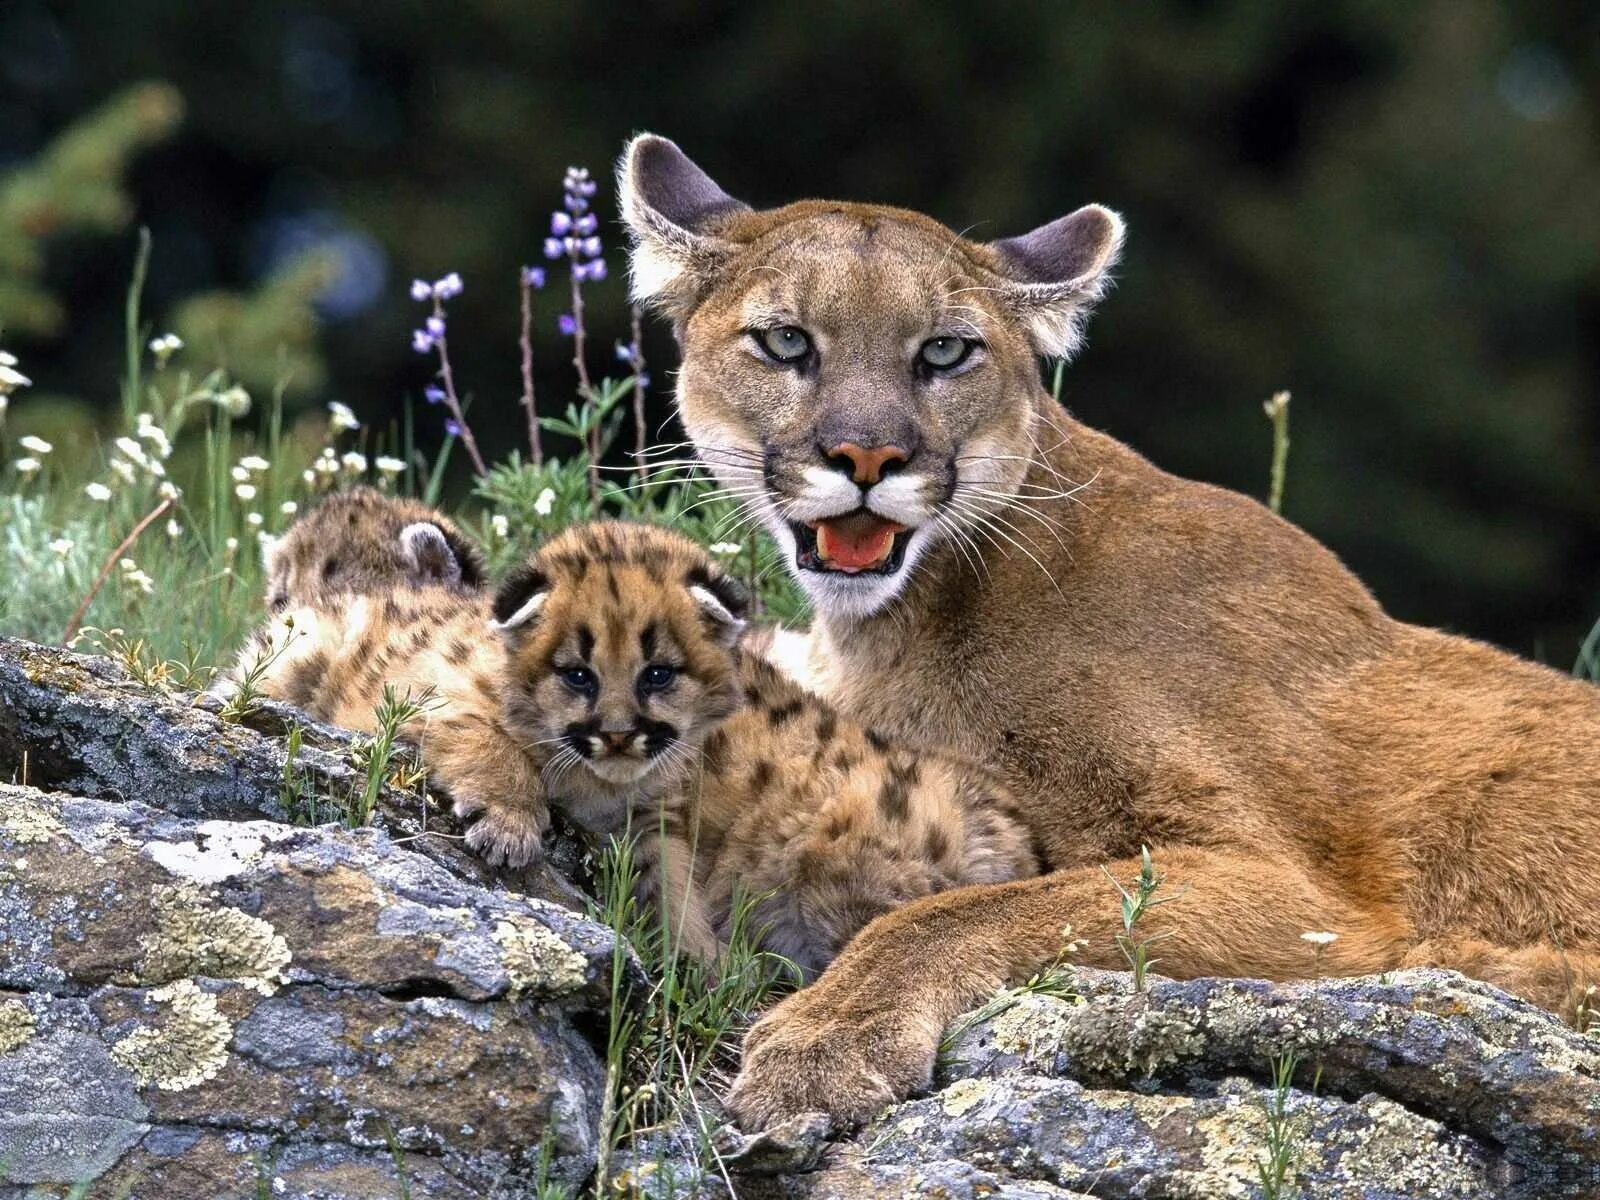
x=503, y=835
x=804, y=1057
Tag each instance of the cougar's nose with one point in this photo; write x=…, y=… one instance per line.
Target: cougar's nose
x=616, y=742
x=867, y=464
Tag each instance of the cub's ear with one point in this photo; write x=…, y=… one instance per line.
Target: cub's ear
x=672, y=209
x=517, y=603
x=722, y=600
x=1058, y=272
x=434, y=555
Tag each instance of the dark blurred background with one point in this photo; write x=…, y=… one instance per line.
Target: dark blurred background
x=1391, y=209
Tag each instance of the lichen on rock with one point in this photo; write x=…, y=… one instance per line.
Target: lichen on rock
x=16, y=1025
x=537, y=960
x=195, y=937
x=188, y=1046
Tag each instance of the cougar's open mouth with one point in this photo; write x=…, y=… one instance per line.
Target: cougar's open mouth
x=860, y=543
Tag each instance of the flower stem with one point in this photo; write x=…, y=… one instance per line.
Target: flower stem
x=535, y=449
x=640, y=433
x=586, y=389
x=452, y=401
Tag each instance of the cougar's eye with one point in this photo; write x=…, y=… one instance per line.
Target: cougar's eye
x=579, y=679
x=785, y=343
x=657, y=677
x=942, y=353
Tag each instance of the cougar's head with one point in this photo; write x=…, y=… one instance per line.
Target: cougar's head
x=862, y=377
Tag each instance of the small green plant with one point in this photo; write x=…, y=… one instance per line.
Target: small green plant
x=379, y=757
x=246, y=696
x=1285, y=1129
x=1136, y=905
x=297, y=793
x=1277, y=410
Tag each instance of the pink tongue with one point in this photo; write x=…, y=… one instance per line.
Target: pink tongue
x=856, y=543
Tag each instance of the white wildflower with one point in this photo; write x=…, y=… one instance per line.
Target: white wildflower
x=354, y=462
x=309, y=476
x=725, y=548
x=122, y=470
x=156, y=436
x=11, y=379
x=36, y=444
x=174, y=530
x=164, y=347
x=545, y=502
x=254, y=463
x=288, y=508
x=500, y=524
x=1319, y=940
x=235, y=401
x=389, y=466
x=97, y=491
x=169, y=491
x=253, y=519
x=132, y=449
x=27, y=466
x=7, y=359
x=343, y=417
x=231, y=546
x=240, y=475
x=141, y=581
x=245, y=491
x=62, y=547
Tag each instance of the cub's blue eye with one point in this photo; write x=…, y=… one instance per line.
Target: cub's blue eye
x=579, y=679
x=786, y=343
x=942, y=353
x=657, y=678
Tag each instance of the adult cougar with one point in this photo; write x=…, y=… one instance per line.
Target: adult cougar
x=1146, y=660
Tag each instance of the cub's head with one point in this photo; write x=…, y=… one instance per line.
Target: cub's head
x=619, y=646
x=364, y=541
x=865, y=379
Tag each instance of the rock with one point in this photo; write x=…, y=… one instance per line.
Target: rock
x=79, y=724
x=190, y=1003
x=1416, y=1085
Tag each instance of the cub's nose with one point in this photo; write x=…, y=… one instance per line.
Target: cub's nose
x=615, y=742
x=867, y=464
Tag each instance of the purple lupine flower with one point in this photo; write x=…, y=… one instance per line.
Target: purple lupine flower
x=449, y=287
x=644, y=380
x=560, y=224
x=597, y=270
x=421, y=341
x=590, y=246
x=586, y=225
x=433, y=394
x=624, y=352
x=453, y=428
x=567, y=324
x=421, y=290
x=553, y=247
x=435, y=327
x=575, y=204
x=533, y=277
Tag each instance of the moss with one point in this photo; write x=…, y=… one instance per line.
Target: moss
x=189, y=1047
x=537, y=960
x=16, y=1026
x=193, y=937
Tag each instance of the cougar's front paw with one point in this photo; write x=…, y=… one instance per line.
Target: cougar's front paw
x=504, y=836
x=804, y=1057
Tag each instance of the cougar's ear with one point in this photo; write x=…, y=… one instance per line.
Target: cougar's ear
x=435, y=553
x=722, y=601
x=1057, y=273
x=517, y=603
x=672, y=209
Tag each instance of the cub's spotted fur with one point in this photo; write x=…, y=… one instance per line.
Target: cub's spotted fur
x=625, y=669
x=367, y=590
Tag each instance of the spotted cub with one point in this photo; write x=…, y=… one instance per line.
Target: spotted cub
x=367, y=590
x=624, y=666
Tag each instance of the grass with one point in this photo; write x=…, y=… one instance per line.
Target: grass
x=1136, y=905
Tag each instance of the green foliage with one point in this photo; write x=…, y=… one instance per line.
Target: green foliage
x=380, y=758
x=667, y=1047
x=1285, y=1130
x=74, y=186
